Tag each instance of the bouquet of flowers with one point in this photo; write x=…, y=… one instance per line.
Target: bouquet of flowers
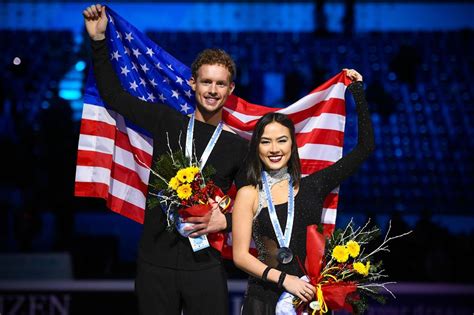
x=183, y=190
x=345, y=273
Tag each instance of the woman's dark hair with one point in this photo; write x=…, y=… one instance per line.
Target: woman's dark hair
x=254, y=165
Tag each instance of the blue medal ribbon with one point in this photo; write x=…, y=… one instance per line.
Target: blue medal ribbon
x=283, y=238
x=210, y=145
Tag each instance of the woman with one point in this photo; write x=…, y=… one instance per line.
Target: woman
x=278, y=204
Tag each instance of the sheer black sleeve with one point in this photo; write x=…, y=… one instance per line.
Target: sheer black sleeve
x=329, y=178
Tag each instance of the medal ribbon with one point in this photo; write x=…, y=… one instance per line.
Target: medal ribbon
x=283, y=239
x=210, y=145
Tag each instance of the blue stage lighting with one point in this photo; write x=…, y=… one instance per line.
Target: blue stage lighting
x=80, y=65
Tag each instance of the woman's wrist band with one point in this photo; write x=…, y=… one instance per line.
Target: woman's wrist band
x=265, y=273
x=281, y=279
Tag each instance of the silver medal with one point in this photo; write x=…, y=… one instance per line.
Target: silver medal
x=284, y=255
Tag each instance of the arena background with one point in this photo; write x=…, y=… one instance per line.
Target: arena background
x=66, y=255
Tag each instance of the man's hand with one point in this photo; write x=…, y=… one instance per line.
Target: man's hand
x=213, y=221
x=95, y=20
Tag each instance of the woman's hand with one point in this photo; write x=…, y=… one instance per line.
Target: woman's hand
x=353, y=75
x=299, y=288
x=95, y=20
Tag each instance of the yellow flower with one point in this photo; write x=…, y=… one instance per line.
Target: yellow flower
x=194, y=170
x=174, y=183
x=340, y=253
x=361, y=269
x=353, y=248
x=185, y=175
x=184, y=191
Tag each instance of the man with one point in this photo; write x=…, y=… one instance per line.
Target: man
x=170, y=276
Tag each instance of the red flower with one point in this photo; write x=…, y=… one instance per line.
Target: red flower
x=195, y=186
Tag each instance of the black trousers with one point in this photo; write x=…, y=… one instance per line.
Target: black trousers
x=169, y=291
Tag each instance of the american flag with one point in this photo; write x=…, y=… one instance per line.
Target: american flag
x=111, y=149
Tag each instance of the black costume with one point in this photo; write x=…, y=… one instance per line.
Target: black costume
x=162, y=251
x=261, y=297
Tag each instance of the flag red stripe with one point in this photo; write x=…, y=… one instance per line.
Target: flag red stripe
x=328, y=229
x=101, y=129
x=331, y=106
x=128, y=177
x=236, y=103
x=90, y=189
x=118, y=205
x=118, y=172
x=97, y=128
x=94, y=158
x=320, y=136
x=331, y=201
x=123, y=142
x=126, y=209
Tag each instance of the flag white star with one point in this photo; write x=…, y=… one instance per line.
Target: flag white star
x=142, y=82
x=151, y=97
x=185, y=108
x=149, y=51
x=136, y=52
x=134, y=66
x=179, y=80
x=166, y=80
x=116, y=55
x=170, y=67
x=129, y=37
x=125, y=70
x=142, y=98
x=158, y=65
x=127, y=51
x=133, y=85
x=144, y=67
x=175, y=94
x=162, y=98
x=152, y=81
x=111, y=20
x=119, y=35
x=188, y=93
